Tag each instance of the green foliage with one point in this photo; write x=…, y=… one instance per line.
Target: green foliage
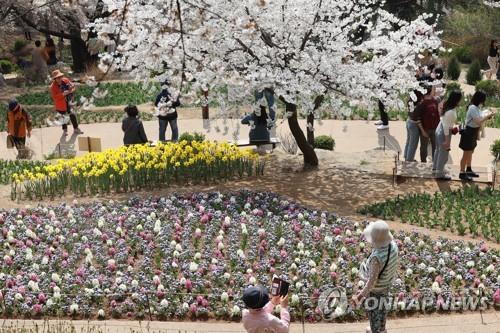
x=118, y=94
x=462, y=54
x=190, y=137
x=8, y=168
x=39, y=116
x=474, y=73
x=495, y=148
x=7, y=67
x=472, y=25
x=469, y=209
x=490, y=87
x=324, y=142
x=453, y=86
x=453, y=70
x=19, y=44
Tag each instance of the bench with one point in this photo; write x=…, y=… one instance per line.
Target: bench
x=247, y=143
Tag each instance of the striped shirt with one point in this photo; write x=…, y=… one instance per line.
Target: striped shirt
x=384, y=282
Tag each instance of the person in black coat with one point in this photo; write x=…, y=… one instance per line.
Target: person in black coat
x=167, y=114
x=133, y=129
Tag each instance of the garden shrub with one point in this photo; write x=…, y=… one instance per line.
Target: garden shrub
x=462, y=54
x=190, y=137
x=19, y=44
x=7, y=67
x=474, y=73
x=324, y=142
x=453, y=86
x=495, y=148
x=490, y=87
x=453, y=69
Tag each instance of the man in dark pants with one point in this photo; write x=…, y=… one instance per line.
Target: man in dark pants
x=167, y=113
x=430, y=121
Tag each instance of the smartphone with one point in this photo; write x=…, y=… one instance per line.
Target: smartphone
x=275, y=286
x=284, y=288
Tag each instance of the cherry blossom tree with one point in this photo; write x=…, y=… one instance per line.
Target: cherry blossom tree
x=316, y=55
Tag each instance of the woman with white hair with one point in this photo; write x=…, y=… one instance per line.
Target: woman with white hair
x=379, y=271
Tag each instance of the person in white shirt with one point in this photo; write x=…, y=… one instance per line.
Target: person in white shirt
x=443, y=134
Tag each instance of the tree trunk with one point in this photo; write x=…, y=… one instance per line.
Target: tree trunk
x=310, y=119
x=204, y=105
x=310, y=158
x=310, y=129
x=80, y=54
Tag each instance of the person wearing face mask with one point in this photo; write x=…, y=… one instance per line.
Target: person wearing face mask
x=468, y=141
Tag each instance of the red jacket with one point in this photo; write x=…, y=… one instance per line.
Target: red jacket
x=430, y=114
x=56, y=91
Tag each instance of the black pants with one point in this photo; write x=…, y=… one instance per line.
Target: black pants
x=383, y=115
x=19, y=142
x=424, y=144
x=72, y=118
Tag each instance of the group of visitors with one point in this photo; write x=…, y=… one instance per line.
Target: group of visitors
x=19, y=124
x=432, y=122
x=378, y=272
x=41, y=58
x=260, y=120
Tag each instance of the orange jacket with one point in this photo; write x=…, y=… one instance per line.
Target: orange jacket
x=18, y=122
x=56, y=91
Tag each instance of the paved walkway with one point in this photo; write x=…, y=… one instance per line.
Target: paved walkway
x=350, y=136
x=464, y=323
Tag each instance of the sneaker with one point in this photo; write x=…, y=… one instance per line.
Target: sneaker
x=382, y=127
x=378, y=122
x=78, y=131
x=464, y=176
x=445, y=178
x=472, y=174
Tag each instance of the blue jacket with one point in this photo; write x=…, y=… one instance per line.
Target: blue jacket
x=259, y=131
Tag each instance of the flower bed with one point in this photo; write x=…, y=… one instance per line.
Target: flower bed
x=190, y=257
x=119, y=93
x=137, y=167
x=469, y=210
x=8, y=168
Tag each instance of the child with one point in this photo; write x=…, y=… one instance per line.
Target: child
x=378, y=271
x=258, y=317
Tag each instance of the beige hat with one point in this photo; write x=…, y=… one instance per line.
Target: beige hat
x=57, y=73
x=378, y=234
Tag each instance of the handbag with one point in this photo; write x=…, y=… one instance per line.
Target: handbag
x=10, y=142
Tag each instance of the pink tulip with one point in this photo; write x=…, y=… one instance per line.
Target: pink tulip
x=8, y=261
x=37, y=308
x=496, y=297
x=111, y=251
x=193, y=308
x=33, y=277
x=204, y=219
x=413, y=258
x=272, y=270
x=188, y=284
x=337, y=231
x=199, y=299
x=21, y=290
x=333, y=275
x=401, y=296
x=204, y=303
x=160, y=294
x=113, y=304
x=41, y=298
x=439, y=279
x=283, y=254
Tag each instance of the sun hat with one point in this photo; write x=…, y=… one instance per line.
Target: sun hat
x=255, y=297
x=13, y=105
x=55, y=74
x=375, y=229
